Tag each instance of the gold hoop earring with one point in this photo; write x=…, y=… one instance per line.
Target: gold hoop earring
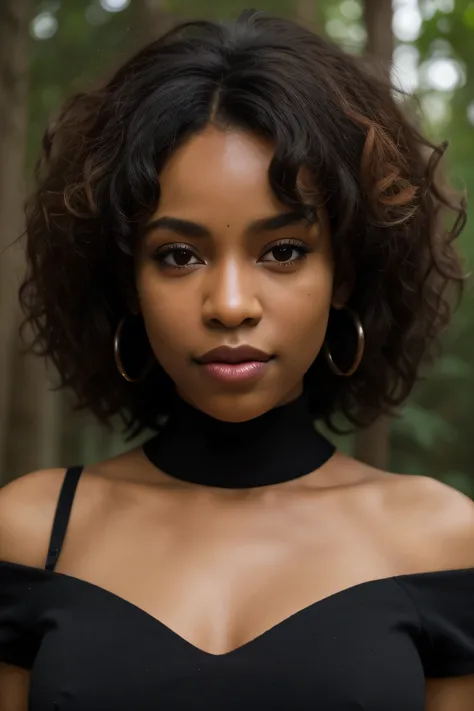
x=359, y=350
x=118, y=358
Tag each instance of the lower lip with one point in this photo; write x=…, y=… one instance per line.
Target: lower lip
x=236, y=372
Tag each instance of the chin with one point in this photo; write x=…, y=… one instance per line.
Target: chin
x=234, y=407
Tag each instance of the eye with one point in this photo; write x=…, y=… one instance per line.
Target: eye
x=176, y=256
x=287, y=252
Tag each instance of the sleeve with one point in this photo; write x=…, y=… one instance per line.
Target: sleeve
x=444, y=602
x=18, y=643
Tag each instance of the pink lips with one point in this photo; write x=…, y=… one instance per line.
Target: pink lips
x=236, y=372
x=235, y=365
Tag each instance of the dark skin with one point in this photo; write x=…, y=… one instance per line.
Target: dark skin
x=241, y=282
x=207, y=562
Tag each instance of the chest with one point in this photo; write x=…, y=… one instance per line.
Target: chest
x=220, y=571
x=352, y=651
x=231, y=604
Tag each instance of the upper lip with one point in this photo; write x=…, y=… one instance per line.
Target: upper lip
x=227, y=354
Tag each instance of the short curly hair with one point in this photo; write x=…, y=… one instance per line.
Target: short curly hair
x=323, y=109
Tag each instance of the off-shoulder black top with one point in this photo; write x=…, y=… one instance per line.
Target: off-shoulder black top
x=367, y=648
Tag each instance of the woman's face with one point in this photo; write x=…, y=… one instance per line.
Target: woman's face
x=223, y=264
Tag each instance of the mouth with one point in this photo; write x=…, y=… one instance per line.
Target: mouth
x=234, y=356
x=235, y=365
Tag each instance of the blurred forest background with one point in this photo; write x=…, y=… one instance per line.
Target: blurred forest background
x=51, y=48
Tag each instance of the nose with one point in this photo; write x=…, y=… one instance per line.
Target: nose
x=230, y=297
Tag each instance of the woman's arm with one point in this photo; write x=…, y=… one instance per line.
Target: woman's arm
x=453, y=694
x=14, y=688
x=26, y=511
x=456, y=693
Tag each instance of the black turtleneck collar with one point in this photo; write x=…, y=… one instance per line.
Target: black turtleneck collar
x=278, y=446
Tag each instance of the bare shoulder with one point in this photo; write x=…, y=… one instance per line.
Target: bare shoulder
x=431, y=498
x=439, y=517
x=27, y=506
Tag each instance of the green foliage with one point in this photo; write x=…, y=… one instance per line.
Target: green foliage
x=73, y=59
x=434, y=435
x=230, y=9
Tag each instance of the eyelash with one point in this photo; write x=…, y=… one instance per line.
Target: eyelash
x=163, y=252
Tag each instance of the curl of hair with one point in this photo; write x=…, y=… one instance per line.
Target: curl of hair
x=324, y=110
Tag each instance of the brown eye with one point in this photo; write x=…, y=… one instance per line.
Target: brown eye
x=287, y=252
x=181, y=257
x=283, y=253
x=177, y=256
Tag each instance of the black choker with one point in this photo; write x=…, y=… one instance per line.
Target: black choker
x=278, y=446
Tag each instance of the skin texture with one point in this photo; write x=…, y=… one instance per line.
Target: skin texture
x=236, y=289
x=339, y=526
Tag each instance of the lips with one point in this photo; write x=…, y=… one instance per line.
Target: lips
x=240, y=354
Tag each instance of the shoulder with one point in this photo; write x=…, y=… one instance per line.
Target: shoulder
x=437, y=519
x=27, y=507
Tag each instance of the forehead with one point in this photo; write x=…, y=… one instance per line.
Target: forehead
x=219, y=174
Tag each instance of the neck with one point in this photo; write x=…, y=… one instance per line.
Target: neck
x=278, y=446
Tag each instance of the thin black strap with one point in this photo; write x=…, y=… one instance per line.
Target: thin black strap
x=61, y=517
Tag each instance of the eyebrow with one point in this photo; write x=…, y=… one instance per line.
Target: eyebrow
x=187, y=228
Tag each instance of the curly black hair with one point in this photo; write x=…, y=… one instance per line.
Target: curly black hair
x=324, y=110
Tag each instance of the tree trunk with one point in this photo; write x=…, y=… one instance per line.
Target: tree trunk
x=372, y=445
x=378, y=15
x=14, y=37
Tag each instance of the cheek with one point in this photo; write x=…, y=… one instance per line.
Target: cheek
x=303, y=313
x=167, y=314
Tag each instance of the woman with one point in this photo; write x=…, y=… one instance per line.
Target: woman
x=236, y=236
